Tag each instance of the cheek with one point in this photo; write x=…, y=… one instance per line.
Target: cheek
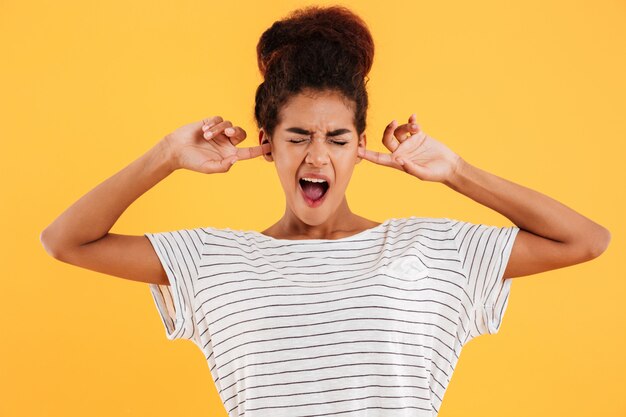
x=343, y=175
x=286, y=167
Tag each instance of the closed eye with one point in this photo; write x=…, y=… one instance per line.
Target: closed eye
x=302, y=140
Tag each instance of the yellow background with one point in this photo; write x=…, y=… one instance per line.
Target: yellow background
x=531, y=91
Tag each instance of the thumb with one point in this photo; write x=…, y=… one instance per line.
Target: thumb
x=226, y=163
x=411, y=168
x=210, y=167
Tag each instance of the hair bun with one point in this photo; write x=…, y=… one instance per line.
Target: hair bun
x=314, y=48
x=318, y=42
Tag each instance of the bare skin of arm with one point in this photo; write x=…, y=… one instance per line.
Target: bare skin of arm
x=551, y=234
x=80, y=235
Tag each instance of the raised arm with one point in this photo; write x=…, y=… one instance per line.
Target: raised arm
x=80, y=235
x=551, y=234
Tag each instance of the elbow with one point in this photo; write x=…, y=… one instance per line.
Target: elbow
x=47, y=244
x=591, y=245
x=600, y=243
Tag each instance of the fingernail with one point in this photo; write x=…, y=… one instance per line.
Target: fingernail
x=414, y=126
x=229, y=130
x=205, y=127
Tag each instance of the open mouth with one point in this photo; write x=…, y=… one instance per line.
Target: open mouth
x=313, y=191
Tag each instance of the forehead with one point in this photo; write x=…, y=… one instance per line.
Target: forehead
x=317, y=110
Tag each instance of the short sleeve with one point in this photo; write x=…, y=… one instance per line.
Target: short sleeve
x=180, y=253
x=483, y=253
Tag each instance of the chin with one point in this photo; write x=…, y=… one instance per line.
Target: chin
x=311, y=216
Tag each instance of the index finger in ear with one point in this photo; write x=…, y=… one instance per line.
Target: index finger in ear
x=253, y=151
x=376, y=157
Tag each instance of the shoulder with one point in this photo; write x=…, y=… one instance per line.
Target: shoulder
x=424, y=224
x=428, y=232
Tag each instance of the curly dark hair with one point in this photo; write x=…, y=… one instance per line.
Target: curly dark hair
x=314, y=49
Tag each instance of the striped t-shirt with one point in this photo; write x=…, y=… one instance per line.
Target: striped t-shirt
x=366, y=325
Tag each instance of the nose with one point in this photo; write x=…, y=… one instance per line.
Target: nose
x=317, y=153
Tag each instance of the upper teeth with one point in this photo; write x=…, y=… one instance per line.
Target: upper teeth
x=314, y=179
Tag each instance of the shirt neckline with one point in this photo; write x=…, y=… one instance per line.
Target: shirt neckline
x=342, y=239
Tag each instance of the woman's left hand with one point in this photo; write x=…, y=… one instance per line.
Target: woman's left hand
x=414, y=152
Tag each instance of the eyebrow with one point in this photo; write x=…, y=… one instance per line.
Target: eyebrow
x=301, y=131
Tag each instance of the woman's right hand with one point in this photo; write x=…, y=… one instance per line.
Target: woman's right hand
x=209, y=146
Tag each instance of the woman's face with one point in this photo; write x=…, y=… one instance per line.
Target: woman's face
x=315, y=135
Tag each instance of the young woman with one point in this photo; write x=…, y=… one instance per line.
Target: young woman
x=325, y=312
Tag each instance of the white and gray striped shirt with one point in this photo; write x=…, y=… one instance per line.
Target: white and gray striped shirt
x=367, y=325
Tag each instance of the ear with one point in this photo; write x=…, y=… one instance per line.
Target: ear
x=362, y=144
x=264, y=138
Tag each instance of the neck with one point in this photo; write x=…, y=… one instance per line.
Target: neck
x=336, y=225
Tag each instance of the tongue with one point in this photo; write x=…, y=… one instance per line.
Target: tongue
x=313, y=190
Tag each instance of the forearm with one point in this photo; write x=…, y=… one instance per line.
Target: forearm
x=94, y=214
x=526, y=208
